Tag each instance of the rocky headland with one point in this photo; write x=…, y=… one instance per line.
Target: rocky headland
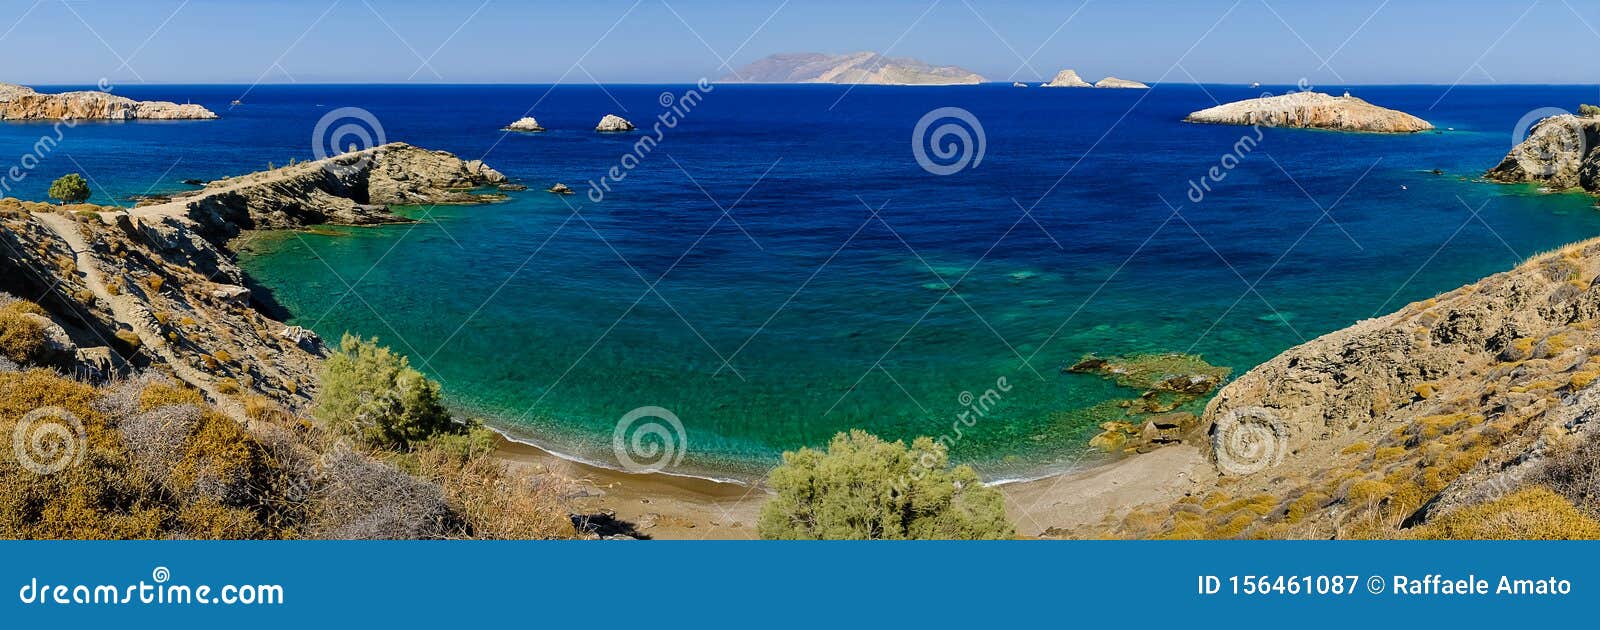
x=1311, y=110
x=1560, y=152
x=853, y=68
x=19, y=102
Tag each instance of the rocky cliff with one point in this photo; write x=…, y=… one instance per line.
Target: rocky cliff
x=1481, y=401
x=23, y=103
x=860, y=67
x=1562, y=152
x=1068, y=78
x=1311, y=110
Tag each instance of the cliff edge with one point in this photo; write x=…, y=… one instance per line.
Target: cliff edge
x=18, y=102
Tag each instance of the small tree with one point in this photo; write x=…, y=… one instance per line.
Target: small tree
x=70, y=188
x=373, y=395
x=866, y=488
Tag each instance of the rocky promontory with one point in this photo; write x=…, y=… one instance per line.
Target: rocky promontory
x=1311, y=110
x=1561, y=152
x=19, y=102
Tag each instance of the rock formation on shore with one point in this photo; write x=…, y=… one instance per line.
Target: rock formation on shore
x=526, y=123
x=613, y=123
x=1068, y=78
x=1311, y=110
x=19, y=102
x=1113, y=82
x=853, y=68
x=1480, y=402
x=1562, y=152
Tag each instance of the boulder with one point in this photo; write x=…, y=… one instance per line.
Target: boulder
x=525, y=124
x=613, y=123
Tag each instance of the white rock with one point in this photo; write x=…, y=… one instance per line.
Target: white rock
x=1113, y=82
x=1067, y=78
x=613, y=123
x=526, y=123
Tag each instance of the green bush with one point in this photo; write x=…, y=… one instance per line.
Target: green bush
x=70, y=188
x=373, y=395
x=1588, y=111
x=866, y=488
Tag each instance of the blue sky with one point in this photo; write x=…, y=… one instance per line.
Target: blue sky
x=650, y=41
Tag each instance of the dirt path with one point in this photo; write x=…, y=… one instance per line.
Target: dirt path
x=129, y=311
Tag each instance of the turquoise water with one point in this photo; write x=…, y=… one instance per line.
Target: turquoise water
x=803, y=314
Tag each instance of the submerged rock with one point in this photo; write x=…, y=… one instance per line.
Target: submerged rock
x=613, y=123
x=1311, y=110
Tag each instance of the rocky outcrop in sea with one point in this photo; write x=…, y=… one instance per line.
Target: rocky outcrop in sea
x=1113, y=82
x=1311, y=110
x=19, y=102
x=1068, y=78
x=525, y=124
x=1561, y=152
x=613, y=123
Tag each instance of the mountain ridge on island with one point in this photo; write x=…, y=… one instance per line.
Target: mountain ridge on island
x=851, y=68
x=20, y=102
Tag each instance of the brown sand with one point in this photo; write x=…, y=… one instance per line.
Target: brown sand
x=669, y=507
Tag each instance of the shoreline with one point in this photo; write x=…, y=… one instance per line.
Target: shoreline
x=668, y=506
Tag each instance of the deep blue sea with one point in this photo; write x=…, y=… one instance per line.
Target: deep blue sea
x=780, y=267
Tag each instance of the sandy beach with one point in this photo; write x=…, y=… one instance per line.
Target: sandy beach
x=670, y=507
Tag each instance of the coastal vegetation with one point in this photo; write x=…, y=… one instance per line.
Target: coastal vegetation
x=864, y=488
x=374, y=396
x=69, y=188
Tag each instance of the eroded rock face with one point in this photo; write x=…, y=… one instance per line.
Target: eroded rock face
x=1561, y=152
x=1068, y=78
x=351, y=189
x=1312, y=110
x=19, y=102
x=613, y=123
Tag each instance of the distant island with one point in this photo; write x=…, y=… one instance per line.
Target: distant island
x=1311, y=110
x=1070, y=78
x=853, y=68
x=20, y=102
